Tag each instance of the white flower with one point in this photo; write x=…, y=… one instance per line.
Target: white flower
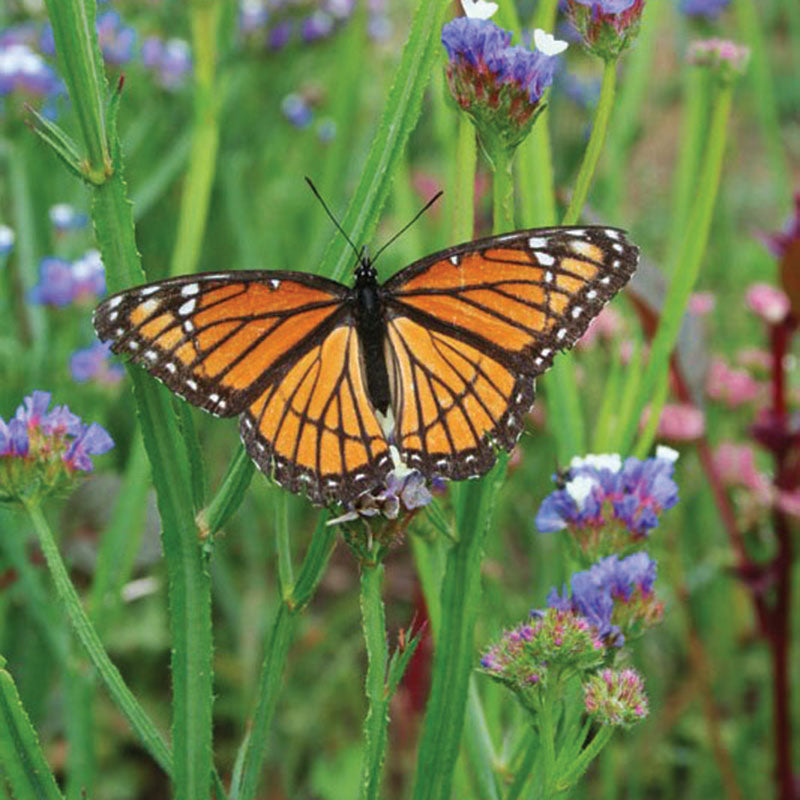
x=609, y=461
x=667, y=453
x=580, y=488
x=547, y=43
x=478, y=9
x=6, y=239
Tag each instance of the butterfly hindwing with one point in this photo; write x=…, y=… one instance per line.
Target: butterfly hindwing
x=217, y=339
x=315, y=430
x=455, y=403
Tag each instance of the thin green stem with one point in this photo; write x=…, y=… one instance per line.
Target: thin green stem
x=502, y=190
x=595, y=146
x=547, y=736
x=204, y=17
x=601, y=738
x=230, y=493
x=88, y=637
x=373, y=622
x=254, y=745
x=685, y=269
x=462, y=193
x=285, y=571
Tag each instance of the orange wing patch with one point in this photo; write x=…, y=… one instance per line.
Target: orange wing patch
x=452, y=401
x=315, y=430
x=214, y=339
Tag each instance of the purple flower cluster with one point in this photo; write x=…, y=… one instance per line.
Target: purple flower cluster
x=274, y=24
x=607, y=27
x=117, y=40
x=402, y=491
x=615, y=596
x=24, y=71
x=62, y=282
x=41, y=449
x=554, y=640
x=92, y=363
x=723, y=56
x=170, y=61
x=709, y=9
x=616, y=697
x=605, y=502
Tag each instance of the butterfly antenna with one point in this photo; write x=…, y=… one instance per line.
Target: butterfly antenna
x=359, y=253
x=406, y=227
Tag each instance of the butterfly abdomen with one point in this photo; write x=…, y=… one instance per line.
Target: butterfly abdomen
x=371, y=329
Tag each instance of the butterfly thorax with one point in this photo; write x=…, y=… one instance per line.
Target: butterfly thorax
x=368, y=309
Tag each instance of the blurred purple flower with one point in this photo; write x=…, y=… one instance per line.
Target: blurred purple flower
x=170, y=61
x=709, y=9
x=92, y=363
x=116, y=40
x=23, y=70
x=13, y=438
x=317, y=26
x=769, y=302
x=61, y=282
x=65, y=217
x=734, y=387
x=280, y=34
x=296, y=110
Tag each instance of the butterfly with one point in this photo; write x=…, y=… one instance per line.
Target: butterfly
x=336, y=385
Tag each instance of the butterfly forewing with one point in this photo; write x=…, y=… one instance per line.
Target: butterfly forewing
x=218, y=339
x=470, y=328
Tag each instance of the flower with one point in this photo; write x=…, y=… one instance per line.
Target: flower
x=701, y=303
x=615, y=596
x=725, y=57
x=734, y=387
x=6, y=240
x=526, y=657
x=65, y=217
x=116, y=40
x=92, y=363
x=404, y=489
x=296, y=110
x=547, y=43
x=704, y=8
x=61, y=282
x=170, y=61
x=23, y=70
x=498, y=85
x=605, y=326
x=318, y=25
x=679, y=422
x=41, y=450
x=478, y=9
x=736, y=466
x=607, y=27
x=770, y=303
x=605, y=502
x=616, y=697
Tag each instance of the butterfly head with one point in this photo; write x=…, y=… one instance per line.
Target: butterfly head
x=365, y=271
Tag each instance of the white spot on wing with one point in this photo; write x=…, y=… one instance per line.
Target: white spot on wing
x=576, y=312
x=544, y=258
x=188, y=326
x=454, y=260
x=148, y=290
x=562, y=332
x=537, y=242
x=114, y=301
x=113, y=315
x=191, y=384
x=612, y=234
x=149, y=306
x=187, y=307
x=190, y=289
x=591, y=294
x=618, y=247
x=548, y=277
x=274, y=283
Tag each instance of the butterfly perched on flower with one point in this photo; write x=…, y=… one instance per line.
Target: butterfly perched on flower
x=336, y=385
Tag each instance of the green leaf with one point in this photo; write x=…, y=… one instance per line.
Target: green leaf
x=399, y=118
x=24, y=764
x=231, y=492
x=58, y=141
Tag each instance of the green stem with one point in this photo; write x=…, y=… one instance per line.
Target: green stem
x=588, y=754
x=373, y=621
x=285, y=572
x=254, y=746
x=88, y=637
x=231, y=492
x=547, y=735
x=23, y=763
x=204, y=16
x=523, y=772
x=454, y=656
x=462, y=191
x=595, y=146
x=502, y=190
x=685, y=267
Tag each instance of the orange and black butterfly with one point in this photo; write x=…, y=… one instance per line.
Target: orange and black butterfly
x=336, y=384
